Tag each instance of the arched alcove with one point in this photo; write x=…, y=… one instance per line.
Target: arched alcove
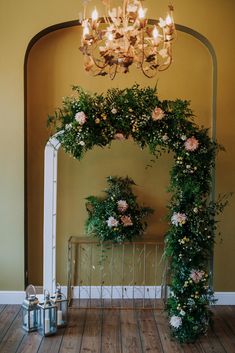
x=53, y=63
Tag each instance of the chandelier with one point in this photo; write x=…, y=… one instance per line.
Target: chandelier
x=123, y=37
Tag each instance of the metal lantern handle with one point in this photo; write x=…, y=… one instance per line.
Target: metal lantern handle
x=27, y=290
x=46, y=294
x=58, y=287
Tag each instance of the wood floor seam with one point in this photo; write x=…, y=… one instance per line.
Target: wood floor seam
x=160, y=341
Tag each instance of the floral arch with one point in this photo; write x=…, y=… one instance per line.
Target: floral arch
x=87, y=120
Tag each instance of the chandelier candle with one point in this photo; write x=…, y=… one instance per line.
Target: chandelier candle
x=123, y=37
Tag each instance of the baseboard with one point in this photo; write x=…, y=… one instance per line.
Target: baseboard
x=225, y=298
x=12, y=297
x=117, y=292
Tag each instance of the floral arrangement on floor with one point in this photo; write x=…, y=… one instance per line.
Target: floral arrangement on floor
x=117, y=216
x=87, y=120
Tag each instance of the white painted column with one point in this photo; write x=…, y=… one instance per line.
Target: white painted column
x=50, y=211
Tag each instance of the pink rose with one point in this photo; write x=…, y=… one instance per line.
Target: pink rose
x=119, y=136
x=158, y=114
x=81, y=118
x=178, y=219
x=126, y=221
x=122, y=205
x=196, y=276
x=191, y=144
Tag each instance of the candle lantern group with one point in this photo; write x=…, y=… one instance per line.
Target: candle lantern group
x=46, y=315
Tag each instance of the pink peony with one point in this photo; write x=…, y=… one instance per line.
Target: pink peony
x=81, y=118
x=122, y=205
x=191, y=144
x=112, y=222
x=119, y=136
x=126, y=221
x=158, y=114
x=178, y=219
x=196, y=275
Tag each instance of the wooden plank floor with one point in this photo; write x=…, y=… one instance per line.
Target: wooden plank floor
x=114, y=331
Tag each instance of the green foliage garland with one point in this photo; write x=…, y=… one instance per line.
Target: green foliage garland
x=117, y=216
x=87, y=120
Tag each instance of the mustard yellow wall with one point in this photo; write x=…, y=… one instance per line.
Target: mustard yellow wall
x=54, y=64
x=19, y=22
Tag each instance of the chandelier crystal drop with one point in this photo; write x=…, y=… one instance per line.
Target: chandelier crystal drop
x=124, y=36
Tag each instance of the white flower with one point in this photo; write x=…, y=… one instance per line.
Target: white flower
x=182, y=312
x=195, y=210
x=122, y=205
x=114, y=111
x=68, y=126
x=165, y=137
x=81, y=118
x=176, y=321
x=112, y=222
x=183, y=137
x=178, y=219
x=81, y=143
x=191, y=302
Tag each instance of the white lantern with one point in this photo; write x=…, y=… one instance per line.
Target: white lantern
x=62, y=307
x=30, y=310
x=47, y=316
